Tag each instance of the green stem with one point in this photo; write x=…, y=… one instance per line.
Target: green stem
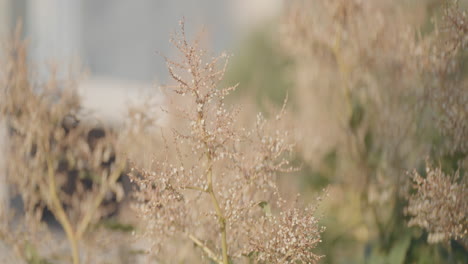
x=210, y=191
x=208, y=251
x=221, y=218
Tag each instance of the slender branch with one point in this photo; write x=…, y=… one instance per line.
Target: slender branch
x=97, y=201
x=286, y=257
x=59, y=212
x=195, y=188
x=221, y=218
x=208, y=251
x=209, y=178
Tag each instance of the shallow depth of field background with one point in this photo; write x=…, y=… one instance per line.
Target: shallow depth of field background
x=117, y=43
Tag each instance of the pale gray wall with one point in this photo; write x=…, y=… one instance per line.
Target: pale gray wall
x=121, y=37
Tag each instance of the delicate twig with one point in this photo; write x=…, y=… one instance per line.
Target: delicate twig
x=84, y=223
x=208, y=251
x=59, y=212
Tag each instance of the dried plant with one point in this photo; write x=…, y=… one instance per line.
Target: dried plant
x=54, y=162
x=357, y=61
x=448, y=86
x=439, y=205
x=378, y=84
x=384, y=85
x=361, y=58
x=216, y=184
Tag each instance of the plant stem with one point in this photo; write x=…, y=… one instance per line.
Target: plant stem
x=195, y=188
x=59, y=212
x=209, y=176
x=221, y=218
x=98, y=200
x=208, y=251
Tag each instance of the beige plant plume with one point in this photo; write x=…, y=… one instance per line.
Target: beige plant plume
x=384, y=84
x=439, y=205
x=215, y=186
x=54, y=162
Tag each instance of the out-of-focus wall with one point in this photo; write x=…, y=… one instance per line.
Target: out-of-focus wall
x=3, y=187
x=119, y=38
x=53, y=28
x=5, y=17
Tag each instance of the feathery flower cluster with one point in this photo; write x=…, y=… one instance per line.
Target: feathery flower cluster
x=282, y=238
x=392, y=75
x=362, y=56
x=216, y=178
x=439, y=205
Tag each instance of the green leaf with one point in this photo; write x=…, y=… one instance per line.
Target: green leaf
x=397, y=254
x=330, y=159
x=266, y=207
x=117, y=226
x=137, y=252
x=368, y=141
x=376, y=257
x=357, y=115
x=32, y=257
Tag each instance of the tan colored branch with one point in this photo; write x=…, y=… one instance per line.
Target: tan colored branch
x=89, y=214
x=209, y=179
x=208, y=251
x=59, y=212
x=219, y=213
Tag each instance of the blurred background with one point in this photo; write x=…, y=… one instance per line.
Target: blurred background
x=368, y=84
x=119, y=39
x=116, y=42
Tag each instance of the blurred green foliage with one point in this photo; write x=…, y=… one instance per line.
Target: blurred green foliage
x=260, y=69
x=32, y=256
